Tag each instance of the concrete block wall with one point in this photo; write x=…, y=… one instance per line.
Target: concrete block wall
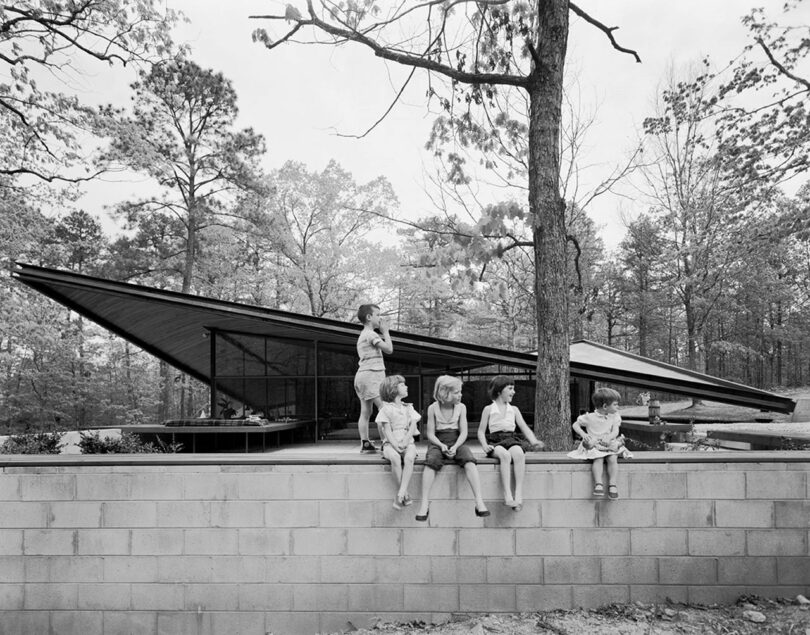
x=255, y=546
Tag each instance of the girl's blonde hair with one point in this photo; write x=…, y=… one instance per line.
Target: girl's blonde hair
x=604, y=397
x=388, y=387
x=444, y=384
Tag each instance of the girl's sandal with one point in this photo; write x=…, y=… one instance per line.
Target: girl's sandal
x=598, y=490
x=613, y=492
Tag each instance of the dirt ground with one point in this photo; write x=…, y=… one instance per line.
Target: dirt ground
x=748, y=615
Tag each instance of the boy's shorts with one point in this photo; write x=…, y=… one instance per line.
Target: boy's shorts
x=367, y=383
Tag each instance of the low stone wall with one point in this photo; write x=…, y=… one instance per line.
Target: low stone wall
x=249, y=544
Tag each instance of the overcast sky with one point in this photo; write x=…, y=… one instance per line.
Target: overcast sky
x=299, y=96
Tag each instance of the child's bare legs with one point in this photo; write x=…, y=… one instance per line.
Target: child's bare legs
x=505, y=459
x=395, y=460
x=612, y=469
x=471, y=471
x=597, y=466
x=407, y=470
x=519, y=461
x=428, y=476
x=365, y=415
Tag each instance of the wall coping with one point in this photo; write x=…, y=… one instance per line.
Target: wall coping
x=291, y=456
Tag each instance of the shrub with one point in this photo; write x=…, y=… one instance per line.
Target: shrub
x=126, y=443
x=33, y=443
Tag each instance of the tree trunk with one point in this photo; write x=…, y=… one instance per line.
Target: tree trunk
x=552, y=413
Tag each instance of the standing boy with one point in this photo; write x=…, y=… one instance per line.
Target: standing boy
x=371, y=371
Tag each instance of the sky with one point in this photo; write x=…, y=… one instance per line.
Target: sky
x=301, y=96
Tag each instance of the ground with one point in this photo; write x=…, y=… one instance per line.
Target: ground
x=748, y=615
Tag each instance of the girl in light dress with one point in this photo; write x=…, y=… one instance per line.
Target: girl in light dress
x=398, y=420
x=602, y=443
x=447, y=433
x=498, y=436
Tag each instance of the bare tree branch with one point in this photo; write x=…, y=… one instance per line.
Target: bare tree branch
x=608, y=30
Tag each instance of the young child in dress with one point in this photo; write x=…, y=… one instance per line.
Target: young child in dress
x=447, y=433
x=371, y=370
x=499, y=439
x=601, y=442
x=398, y=421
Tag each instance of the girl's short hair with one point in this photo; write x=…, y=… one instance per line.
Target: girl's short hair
x=364, y=311
x=498, y=383
x=444, y=384
x=604, y=396
x=388, y=387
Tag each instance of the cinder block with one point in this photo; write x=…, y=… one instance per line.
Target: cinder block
x=63, y=569
x=572, y=570
x=244, y=569
x=572, y=513
x=177, y=569
x=292, y=622
x=449, y=570
x=348, y=569
x=48, y=487
x=592, y=596
x=11, y=598
x=716, y=485
x=601, y=542
x=431, y=541
x=326, y=542
x=293, y=569
x=294, y=514
x=747, y=513
x=11, y=542
x=657, y=485
x=268, y=486
x=216, y=486
x=658, y=542
x=792, y=513
x=237, y=514
x=318, y=486
x=659, y=594
x=432, y=597
x=131, y=569
x=531, y=598
x=104, y=597
x=777, y=542
x=12, y=568
x=9, y=487
x=184, y=623
x=264, y=542
x=626, y=513
x=157, y=597
x=102, y=487
x=776, y=485
x=514, y=570
x=129, y=622
x=186, y=514
x=129, y=514
x=629, y=570
x=484, y=542
x=214, y=542
x=25, y=622
x=496, y=598
x=51, y=597
x=745, y=570
x=716, y=542
x=103, y=542
x=265, y=597
x=157, y=542
x=49, y=542
x=543, y=542
x=374, y=541
x=238, y=622
x=339, y=514
x=211, y=597
x=548, y=485
x=392, y=570
x=688, y=571
x=320, y=597
x=713, y=594
x=155, y=486
x=376, y=485
x=794, y=570
x=376, y=597
x=77, y=622
x=24, y=515
x=698, y=513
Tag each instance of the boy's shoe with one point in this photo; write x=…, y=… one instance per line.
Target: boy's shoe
x=367, y=447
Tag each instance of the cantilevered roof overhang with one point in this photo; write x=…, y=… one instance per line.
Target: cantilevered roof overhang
x=174, y=326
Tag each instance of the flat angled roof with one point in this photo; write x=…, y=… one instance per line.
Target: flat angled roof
x=174, y=326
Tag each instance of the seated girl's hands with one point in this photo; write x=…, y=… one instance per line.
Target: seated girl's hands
x=487, y=448
x=538, y=445
x=450, y=452
x=587, y=442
